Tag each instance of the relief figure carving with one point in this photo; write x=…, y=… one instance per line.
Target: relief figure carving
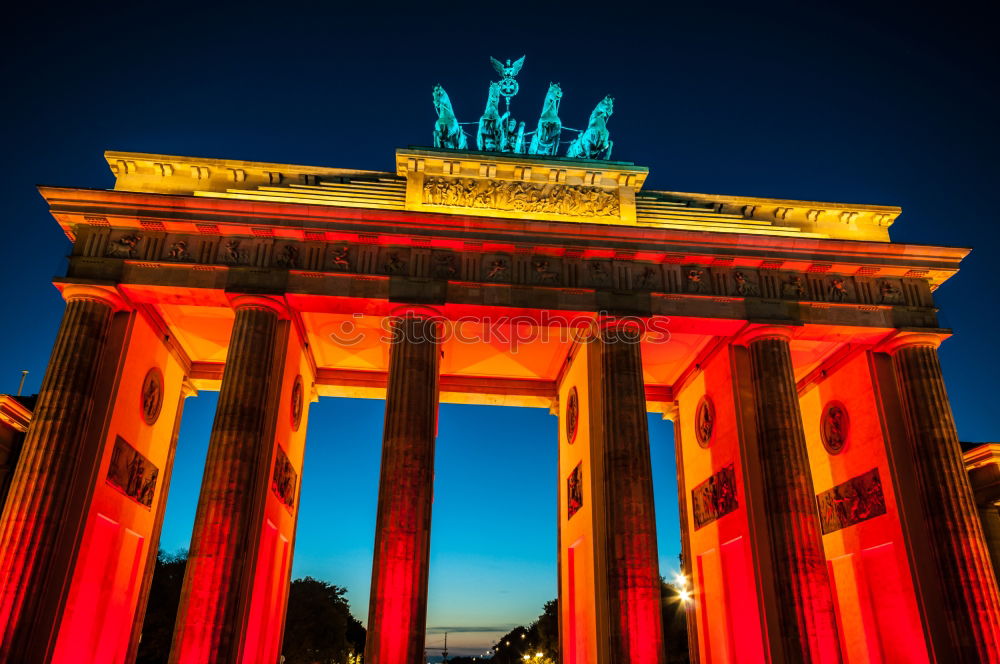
x=889, y=293
x=695, y=284
x=233, y=255
x=124, y=247
x=794, y=288
x=545, y=275
x=521, y=197
x=289, y=257
x=498, y=270
x=340, y=260
x=838, y=290
x=744, y=286
x=179, y=251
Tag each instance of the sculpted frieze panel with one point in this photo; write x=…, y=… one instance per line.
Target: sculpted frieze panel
x=890, y=291
x=858, y=499
x=715, y=497
x=745, y=283
x=394, y=261
x=598, y=274
x=445, y=265
x=697, y=280
x=521, y=197
x=497, y=268
x=546, y=271
x=124, y=246
x=231, y=252
x=647, y=277
x=521, y=267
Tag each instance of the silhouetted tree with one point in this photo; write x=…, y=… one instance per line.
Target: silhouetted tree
x=164, y=598
x=319, y=628
x=542, y=636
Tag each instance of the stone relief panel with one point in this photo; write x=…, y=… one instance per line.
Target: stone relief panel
x=793, y=286
x=697, y=280
x=497, y=268
x=284, y=479
x=286, y=255
x=856, y=500
x=546, y=271
x=597, y=274
x=715, y=497
x=839, y=289
x=233, y=252
x=445, y=265
x=890, y=291
x=647, y=277
x=124, y=246
x=521, y=197
x=340, y=259
x=574, y=491
x=132, y=474
x=745, y=283
x=394, y=261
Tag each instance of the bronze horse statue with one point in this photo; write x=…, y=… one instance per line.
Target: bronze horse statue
x=594, y=142
x=447, y=132
x=546, y=138
x=490, y=131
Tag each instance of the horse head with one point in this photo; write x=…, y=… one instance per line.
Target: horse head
x=442, y=104
x=603, y=110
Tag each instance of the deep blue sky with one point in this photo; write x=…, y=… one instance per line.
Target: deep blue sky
x=830, y=102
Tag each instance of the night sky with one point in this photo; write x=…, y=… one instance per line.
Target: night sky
x=829, y=103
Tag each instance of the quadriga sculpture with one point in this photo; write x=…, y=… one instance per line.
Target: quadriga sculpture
x=546, y=138
x=447, y=131
x=594, y=142
x=490, y=129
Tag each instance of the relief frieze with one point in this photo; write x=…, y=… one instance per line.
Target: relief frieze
x=856, y=500
x=521, y=197
x=131, y=473
x=715, y=497
x=555, y=269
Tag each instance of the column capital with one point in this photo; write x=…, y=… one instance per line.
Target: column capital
x=909, y=339
x=277, y=305
x=759, y=332
x=107, y=294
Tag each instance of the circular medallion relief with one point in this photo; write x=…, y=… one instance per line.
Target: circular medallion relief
x=834, y=427
x=704, y=421
x=152, y=395
x=297, y=400
x=572, y=416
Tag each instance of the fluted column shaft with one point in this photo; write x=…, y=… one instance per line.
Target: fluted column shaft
x=37, y=502
x=633, y=565
x=969, y=588
x=802, y=588
x=209, y=619
x=397, y=613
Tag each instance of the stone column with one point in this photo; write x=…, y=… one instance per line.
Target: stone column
x=968, y=586
x=397, y=612
x=32, y=525
x=215, y=590
x=803, y=594
x=633, y=576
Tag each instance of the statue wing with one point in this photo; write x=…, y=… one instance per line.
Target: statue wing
x=497, y=65
x=516, y=67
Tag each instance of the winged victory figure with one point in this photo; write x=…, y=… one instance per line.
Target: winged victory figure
x=509, y=70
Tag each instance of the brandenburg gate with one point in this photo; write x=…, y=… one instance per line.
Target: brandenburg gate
x=825, y=512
